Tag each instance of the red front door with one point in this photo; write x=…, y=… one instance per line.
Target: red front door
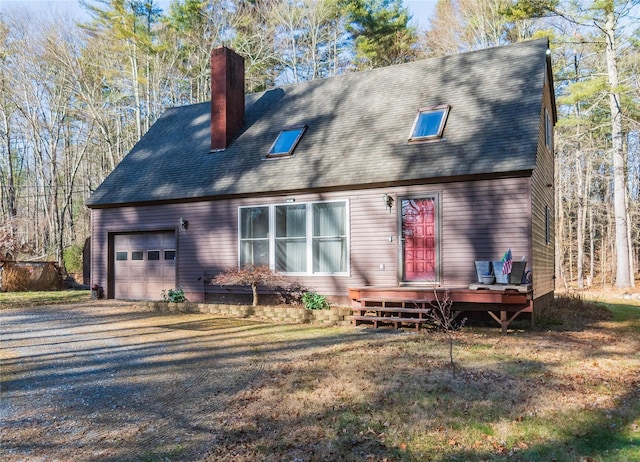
x=419, y=240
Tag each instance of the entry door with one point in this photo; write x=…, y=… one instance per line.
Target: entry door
x=419, y=240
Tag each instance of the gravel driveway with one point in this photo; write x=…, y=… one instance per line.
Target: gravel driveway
x=110, y=381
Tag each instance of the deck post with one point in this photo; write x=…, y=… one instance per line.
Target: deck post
x=533, y=317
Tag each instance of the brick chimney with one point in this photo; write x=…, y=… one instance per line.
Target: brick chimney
x=227, y=97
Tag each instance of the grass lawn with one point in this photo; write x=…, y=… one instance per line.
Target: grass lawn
x=567, y=391
x=22, y=299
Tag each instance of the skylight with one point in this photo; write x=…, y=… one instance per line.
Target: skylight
x=286, y=141
x=429, y=123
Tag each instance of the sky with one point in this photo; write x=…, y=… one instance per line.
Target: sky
x=420, y=9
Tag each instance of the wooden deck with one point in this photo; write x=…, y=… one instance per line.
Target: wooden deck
x=398, y=306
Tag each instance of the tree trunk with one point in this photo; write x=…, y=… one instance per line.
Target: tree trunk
x=623, y=277
x=581, y=216
x=254, y=289
x=592, y=248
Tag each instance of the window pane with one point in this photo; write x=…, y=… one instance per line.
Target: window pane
x=291, y=255
x=169, y=254
x=153, y=255
x=291, y=220
x=120, y=256
x=137, y=255
x=254, y=222
x=428, y=124
x=329, y=255
x=254, y=252
x=329, y=219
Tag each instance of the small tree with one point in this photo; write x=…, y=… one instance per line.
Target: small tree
x=446, y=319
x=72, y=258
x=249, y=275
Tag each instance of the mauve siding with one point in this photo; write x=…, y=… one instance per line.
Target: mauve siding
x=479, y=221
x=208, y=244
x=542, y=182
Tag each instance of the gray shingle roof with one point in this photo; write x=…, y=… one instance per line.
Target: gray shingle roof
x=358, y=125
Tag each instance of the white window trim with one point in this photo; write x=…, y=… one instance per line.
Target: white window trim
x=309, y=237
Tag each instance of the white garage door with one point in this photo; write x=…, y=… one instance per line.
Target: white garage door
x=144, y=265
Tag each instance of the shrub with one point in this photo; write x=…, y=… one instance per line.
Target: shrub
x=23, y=277
x=572, y=312
x=314, y=301
x=290, y=294
x=250, y=275
x=72, y=257
x=174, y=295
x=15, y=279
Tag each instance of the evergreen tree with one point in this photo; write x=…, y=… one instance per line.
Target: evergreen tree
x=381, y=32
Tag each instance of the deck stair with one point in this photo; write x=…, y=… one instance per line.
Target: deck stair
x=399, y=306
x=394, y=312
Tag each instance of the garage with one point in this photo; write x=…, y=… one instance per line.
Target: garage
x=144, y=264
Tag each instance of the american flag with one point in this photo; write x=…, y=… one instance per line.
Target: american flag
x=507, y=261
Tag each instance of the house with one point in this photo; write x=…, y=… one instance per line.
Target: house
x=393, y=177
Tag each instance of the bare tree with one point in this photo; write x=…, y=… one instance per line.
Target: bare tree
x=445, y=319
x=603, y=21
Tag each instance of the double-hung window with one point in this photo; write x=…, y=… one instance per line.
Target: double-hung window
x=254, y=236
x=301, y=238
x=329, y=237
x=291, y=238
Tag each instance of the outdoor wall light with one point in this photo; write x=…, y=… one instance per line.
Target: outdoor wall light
x=184, y=224
x=388, y=202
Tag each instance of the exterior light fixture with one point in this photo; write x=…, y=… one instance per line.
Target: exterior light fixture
x=184, y=224
x=388, y=202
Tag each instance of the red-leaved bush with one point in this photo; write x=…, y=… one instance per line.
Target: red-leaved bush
x=249, y=275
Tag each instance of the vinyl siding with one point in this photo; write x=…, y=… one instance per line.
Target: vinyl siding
x=479, y=220
x=542, y=182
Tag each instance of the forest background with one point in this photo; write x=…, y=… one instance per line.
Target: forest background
x=76, y=95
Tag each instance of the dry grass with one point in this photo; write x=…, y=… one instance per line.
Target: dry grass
x=569, y=393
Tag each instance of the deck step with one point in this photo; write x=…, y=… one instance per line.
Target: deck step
x=394, y=320
x=390, y=309
x=521, y=288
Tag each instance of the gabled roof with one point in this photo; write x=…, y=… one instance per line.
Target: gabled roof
x=357, y=130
